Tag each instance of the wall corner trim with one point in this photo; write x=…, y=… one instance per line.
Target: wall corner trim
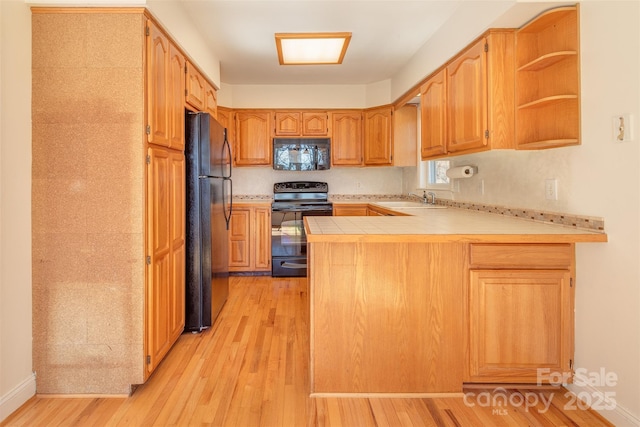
x=619, y=416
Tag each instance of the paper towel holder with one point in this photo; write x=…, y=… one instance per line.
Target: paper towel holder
x=466, y=171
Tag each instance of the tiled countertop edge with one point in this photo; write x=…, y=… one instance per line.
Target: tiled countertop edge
x=568, y=220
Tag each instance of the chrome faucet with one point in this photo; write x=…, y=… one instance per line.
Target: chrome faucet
x=433, y=197
x=425, y=197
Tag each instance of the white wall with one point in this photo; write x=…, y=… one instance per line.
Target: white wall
x=17, y=383
x=176, y=22
x=599, y=178
x=341, y=180
x=292, y=96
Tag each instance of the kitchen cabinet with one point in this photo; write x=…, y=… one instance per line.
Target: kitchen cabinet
x=250, y=237
x=200, y=94
x=346, y=140
x=252, y=138
x=349, y=209
x=433, y=109
x=301, y=123
x=378, y=136
x=225, y=118
x=378, y=211
x=480, y=112
x=128, y=223
x=521, y=300
x=166, y=276
x=405, y=129
x=196, y=88
x=210, y=100
x=287, y=123
x=165, y=91
x=548, y=80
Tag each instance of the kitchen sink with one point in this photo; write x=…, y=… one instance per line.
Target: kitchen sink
x=408, y=204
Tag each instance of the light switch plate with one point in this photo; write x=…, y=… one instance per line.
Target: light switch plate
x=622, y=127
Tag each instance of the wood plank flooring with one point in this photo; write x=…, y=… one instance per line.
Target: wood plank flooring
x=251, y=369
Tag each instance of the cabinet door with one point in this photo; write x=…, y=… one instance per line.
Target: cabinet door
x=177, y=231
x=225, y=117
x=159, y=277
x=158, y=95
x=433, y=109
x=176, y=98
x=346, y=140
x=253, y=138
x=210, y=100
x=196, y=87
x=315, y=123
x=378, y=137
x=520, y=320
x=239, y=247
x=287, y=123
x=261, y=235
x=467, y=100
x=405, y=130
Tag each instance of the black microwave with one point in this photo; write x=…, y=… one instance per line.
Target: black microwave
x=303, y=154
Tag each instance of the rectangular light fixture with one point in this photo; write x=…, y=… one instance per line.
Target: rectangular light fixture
x=311, y=48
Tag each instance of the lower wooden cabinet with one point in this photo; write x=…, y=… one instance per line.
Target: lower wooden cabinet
x=349, y=209
x=166, y=275
x=520, y=313
x=250, y=238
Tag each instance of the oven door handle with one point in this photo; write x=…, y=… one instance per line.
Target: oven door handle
x=292, y=265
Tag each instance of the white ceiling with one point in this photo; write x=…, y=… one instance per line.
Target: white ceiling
x=386, y=35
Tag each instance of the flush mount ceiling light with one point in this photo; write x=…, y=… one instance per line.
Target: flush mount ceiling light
x=311, y=48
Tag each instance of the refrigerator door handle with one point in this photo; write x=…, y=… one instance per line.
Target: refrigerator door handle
x=227, y=213
x=228, y=148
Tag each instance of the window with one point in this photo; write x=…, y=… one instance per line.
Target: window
x=437, y=170
x=432, y=174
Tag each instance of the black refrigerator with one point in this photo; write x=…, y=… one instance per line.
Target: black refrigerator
x=209, y=195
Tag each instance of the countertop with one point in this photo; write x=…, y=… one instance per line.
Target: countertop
x=442, y=225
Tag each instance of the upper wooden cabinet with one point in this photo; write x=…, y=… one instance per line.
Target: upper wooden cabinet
x=405, y=129
x=196, y=88
x=315, y=123
x=547, y=81
x=225, y=118
x=433, y=112
x=200, y=95
x=480, y=97
x=287, y=123
x=210, y=100
x=176, y=100
x=346, y=140
x=301, y=123
x=378, y=136
x=165, y=90
x=158, y=127
x=252, y=138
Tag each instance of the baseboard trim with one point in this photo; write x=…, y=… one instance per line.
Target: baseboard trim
x=618, y=416
x=17, y=397
x=386, y=395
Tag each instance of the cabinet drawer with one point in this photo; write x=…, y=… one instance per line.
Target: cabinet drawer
x=521, y=256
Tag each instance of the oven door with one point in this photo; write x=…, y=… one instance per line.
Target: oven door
x=289, y=241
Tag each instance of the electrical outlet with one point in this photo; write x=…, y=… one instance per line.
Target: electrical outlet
x=551, y=189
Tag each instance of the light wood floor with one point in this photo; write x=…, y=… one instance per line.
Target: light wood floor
x=251, y=369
